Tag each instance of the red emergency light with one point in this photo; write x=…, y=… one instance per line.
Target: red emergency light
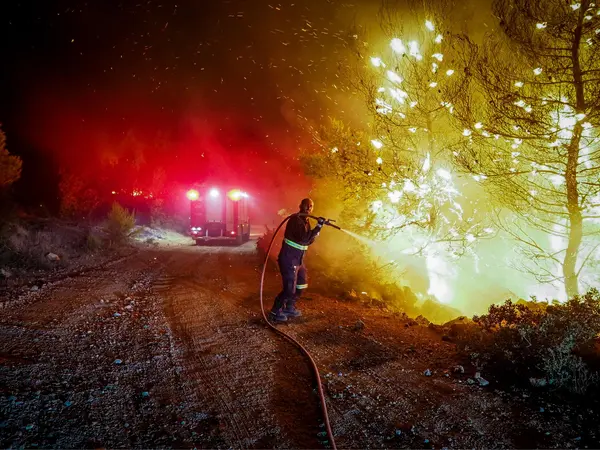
x=192, y=194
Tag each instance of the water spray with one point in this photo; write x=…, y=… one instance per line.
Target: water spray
x=315, y=369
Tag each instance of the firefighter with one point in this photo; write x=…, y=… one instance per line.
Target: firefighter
x=298, y=236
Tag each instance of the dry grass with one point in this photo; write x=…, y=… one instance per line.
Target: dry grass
x=26, y=244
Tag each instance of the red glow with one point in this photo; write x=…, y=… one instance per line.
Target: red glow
x=192, y=194
x=132, y=144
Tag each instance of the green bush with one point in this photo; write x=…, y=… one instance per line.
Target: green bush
x=528, y=341
x=119, y=224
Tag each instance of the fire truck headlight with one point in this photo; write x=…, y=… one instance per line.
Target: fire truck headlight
x=214, y=192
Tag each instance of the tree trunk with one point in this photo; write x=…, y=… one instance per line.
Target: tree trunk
x=575, y=236
x=575, y=218
x=570, y=261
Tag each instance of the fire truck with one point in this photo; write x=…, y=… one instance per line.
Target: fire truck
x=219, y=214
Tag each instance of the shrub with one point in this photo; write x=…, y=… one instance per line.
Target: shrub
x=26, y=243
x=10, y=165
x=160, y=218
x=526, y=341
x=93, y=241
x=119, y=224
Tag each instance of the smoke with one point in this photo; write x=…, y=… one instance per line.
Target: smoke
x=492, y=269
x=123, y=141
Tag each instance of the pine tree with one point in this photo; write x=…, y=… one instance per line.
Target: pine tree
x=531, y=118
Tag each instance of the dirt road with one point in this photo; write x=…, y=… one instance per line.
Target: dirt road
x=166, y=348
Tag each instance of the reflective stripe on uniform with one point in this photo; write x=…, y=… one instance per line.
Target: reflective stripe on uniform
x=293, y=244
x=301, y=286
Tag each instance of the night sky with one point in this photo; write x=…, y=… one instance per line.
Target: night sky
x=204, y=88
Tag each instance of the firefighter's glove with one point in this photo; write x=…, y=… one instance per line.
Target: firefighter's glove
x=321, y=221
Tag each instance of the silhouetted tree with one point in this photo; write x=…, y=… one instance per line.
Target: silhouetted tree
x=79, y=197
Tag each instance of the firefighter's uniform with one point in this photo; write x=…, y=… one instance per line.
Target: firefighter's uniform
x=298, y=236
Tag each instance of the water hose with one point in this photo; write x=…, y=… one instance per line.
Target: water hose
x=290, y=338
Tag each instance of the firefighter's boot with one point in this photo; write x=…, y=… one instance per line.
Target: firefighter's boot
x=276, y=314
x=290, y=310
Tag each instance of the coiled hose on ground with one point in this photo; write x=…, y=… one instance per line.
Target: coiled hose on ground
x=290, y=338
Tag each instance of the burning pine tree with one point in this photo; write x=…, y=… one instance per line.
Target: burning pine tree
x=515, y=117
x=531, y=115
x=397, y=167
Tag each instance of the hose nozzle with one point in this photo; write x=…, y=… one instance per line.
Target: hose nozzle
x=321, y=219
x=328, y=222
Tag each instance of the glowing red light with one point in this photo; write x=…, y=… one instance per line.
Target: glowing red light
x=192, y=194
